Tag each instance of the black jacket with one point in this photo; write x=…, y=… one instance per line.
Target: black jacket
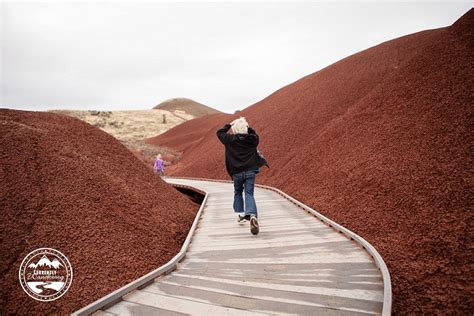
x=240, y=150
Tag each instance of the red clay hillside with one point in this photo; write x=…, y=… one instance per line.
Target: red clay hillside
x=75, y=188
x=382, y=143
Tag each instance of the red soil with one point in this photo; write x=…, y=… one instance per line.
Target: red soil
x=69, y=186
x=382, y=143
x=188, y=134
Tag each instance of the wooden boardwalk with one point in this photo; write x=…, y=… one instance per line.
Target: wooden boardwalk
x=296, y=265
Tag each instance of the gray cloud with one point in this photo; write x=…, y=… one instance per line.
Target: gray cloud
x=87, y=55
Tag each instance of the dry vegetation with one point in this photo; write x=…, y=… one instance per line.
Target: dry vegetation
x=132, y=127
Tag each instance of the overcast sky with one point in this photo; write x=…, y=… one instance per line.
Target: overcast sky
x=109, y=56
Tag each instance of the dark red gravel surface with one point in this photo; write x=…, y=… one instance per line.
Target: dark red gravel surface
x=382, y=143
x=67, y=185
x=188, y=134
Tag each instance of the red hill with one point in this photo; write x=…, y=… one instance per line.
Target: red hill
x=382, y=143
x=67, y=185
x=187, y=134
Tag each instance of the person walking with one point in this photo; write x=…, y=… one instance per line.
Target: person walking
x=159, y=166
x=241, y=156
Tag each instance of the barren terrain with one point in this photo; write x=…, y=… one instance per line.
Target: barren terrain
x=74, y=188
x=132, y=127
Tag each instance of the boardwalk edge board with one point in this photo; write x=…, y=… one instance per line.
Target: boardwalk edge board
x=116, y=296
x=379, y=262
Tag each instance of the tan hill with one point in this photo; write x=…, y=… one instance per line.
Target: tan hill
x=188, y=106
x=132, y=127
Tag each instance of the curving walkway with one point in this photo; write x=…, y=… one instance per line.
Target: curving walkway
x=296, y=265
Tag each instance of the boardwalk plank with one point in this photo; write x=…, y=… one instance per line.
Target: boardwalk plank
x=296, y=265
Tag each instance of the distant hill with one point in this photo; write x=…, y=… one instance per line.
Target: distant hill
x=132, y=127
x=186, y=105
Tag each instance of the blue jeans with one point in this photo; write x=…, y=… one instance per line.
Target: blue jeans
x=244, y=180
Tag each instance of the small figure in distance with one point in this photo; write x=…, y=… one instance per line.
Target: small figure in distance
x=241, y=164
x=159, y=166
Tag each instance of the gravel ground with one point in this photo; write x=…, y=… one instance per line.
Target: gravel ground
x=70, y=186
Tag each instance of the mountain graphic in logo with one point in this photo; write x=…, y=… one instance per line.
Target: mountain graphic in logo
x=45, y=262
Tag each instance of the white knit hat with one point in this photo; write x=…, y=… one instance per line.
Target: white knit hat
x=240, y=126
